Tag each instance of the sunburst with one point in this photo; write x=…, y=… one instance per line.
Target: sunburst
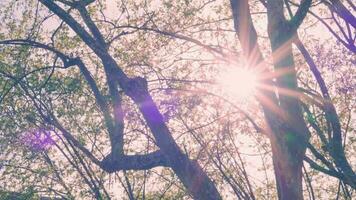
x=238, y=82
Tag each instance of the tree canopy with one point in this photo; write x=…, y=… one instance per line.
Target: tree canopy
x=205, y=99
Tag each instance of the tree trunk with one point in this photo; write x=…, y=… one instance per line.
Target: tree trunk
x=290, y=136
x=286, y=127
x=189, y=172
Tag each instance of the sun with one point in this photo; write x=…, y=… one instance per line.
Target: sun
x=238, y=82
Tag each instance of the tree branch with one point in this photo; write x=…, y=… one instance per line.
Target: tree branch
x=90, y=24
x=246, y=31
x=342, y=11
x=86, y=37
x=134, y=162
x=299, y=16
x=189, y=172
x=26, y=42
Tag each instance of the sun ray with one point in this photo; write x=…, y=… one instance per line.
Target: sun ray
x=272, y=106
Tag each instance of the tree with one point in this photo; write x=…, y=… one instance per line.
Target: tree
x=288, y=132
x=91, y=89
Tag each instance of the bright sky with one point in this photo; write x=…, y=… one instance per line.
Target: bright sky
x=239, y=82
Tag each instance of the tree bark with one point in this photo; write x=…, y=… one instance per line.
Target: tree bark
x=288, y=132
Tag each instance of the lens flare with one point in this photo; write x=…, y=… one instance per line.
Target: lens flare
x=238, y=83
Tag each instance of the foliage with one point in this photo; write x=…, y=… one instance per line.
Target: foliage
x=57, y=129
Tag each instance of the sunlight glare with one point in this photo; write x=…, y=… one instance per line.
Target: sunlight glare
x=239, y=83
